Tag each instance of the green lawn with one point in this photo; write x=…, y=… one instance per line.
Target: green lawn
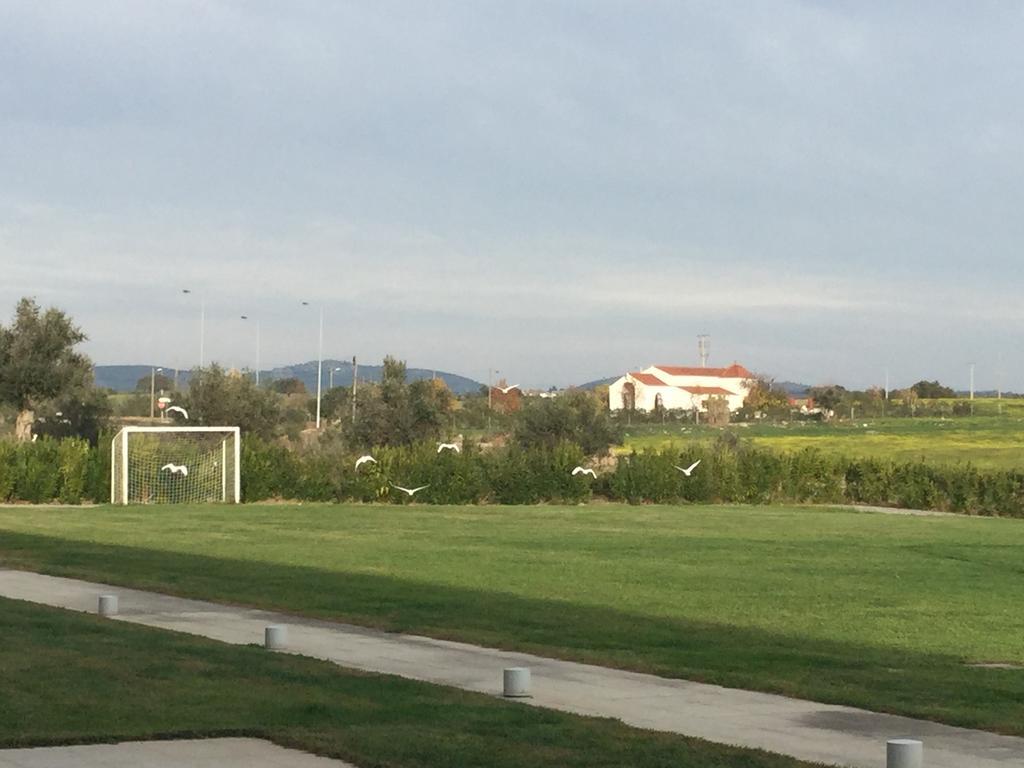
x=872, y=610
x=987, y=442
x=72, y=678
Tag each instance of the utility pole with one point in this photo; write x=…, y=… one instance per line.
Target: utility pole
x=319, y=366
x=490, y=387
x=355, y=386
x=885, y=401
x=703, y=349
x=972, y=389
x=152, y=390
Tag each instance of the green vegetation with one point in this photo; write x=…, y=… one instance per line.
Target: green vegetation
x=71, y=678
x=985, y=441
x=876, y=611
x=38, y=362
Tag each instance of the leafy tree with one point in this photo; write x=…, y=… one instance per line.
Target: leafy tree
x=217, y=398
x=577, y=417
x=829, y=398
x=161, y=383
x=84, y=412
x=932, y=390
x=38, y=361
x=336, y=403
x=289, y=386
x=717, y=408
x=764, y=396
x=395, y=412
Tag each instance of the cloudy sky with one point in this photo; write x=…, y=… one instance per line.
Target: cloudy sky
x=561, y=191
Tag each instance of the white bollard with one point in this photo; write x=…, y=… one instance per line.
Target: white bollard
x=904, y=753
x=517, y=682
x=275, y=637
x=108, y=605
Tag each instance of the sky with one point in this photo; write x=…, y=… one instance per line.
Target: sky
x=559, y=191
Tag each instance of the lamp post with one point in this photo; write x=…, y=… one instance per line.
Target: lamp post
x=490, y=386
x=246, y=317
x=331, y=374
x=355, y=385
x=202, y=327
x=152, y=390
x=319, y=363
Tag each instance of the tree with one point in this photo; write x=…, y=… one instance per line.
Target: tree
x=577, y=416
x=289, y=386
x=932, y=390
x=828, y=397
x=38, y=361
x=217, y=398
x=161, y=382
x=83, y=412
x=717, y=408
x=763, y=396
x=395, y=412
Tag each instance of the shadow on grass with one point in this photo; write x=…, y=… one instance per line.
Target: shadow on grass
x=936, y=687
x=70, y=678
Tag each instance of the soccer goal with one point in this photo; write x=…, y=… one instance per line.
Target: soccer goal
x=175, y=465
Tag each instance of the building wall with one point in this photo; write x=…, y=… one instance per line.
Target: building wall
x=672, y=397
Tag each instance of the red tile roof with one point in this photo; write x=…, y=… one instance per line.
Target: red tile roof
x=734, y=371
x=649, y=379
x=707, y=391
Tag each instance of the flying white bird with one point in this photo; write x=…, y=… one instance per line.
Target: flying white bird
x=506, y=390
x=179, y=409
x=448, y=447
x=34, y=438
x=175, y=469
x=409, y=491
x=584, y=471
x=363, y=459
x=688, y=470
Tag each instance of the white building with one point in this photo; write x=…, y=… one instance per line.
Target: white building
x=677, y=387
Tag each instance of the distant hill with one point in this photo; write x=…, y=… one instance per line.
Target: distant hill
x=123, y=378
x=599, y=382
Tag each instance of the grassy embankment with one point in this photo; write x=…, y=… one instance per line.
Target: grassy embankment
x=871, y=610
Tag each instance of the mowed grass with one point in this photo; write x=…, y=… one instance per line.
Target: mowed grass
x=985, y=442
x=71, y=678
x=878, y=611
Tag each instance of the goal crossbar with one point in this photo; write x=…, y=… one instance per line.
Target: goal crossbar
x=190, y=465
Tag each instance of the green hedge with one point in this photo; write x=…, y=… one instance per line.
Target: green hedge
x=70, y=471
x=51, y=470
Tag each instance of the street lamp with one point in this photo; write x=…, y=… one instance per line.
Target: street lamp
x=246, y=317
x=331, y=385
x=490, y=386
x=152, y=390
x=319, y=362
x=202, y=327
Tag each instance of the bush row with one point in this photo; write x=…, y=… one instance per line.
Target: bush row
x=69, y=471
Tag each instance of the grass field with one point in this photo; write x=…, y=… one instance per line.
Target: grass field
x=987, y=442
x=72, y=678
x=873, y=610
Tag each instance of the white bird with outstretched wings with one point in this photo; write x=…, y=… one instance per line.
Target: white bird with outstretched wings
x=688, y=470
x=178, y=409
x=364, y=459
x=410, y=491
x=448, y=447
x=584, y=471
x=175, y=469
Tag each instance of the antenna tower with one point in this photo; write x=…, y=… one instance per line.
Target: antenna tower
x=703, y=349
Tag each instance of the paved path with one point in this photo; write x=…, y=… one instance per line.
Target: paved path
x=187, y=753
x=803, y=729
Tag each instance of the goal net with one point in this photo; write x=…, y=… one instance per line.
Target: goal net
x=175, y=465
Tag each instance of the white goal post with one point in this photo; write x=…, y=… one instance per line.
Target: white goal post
x=175, y=465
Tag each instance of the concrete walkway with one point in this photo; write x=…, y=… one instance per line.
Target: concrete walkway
x=802, y=729
x=186, y=753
